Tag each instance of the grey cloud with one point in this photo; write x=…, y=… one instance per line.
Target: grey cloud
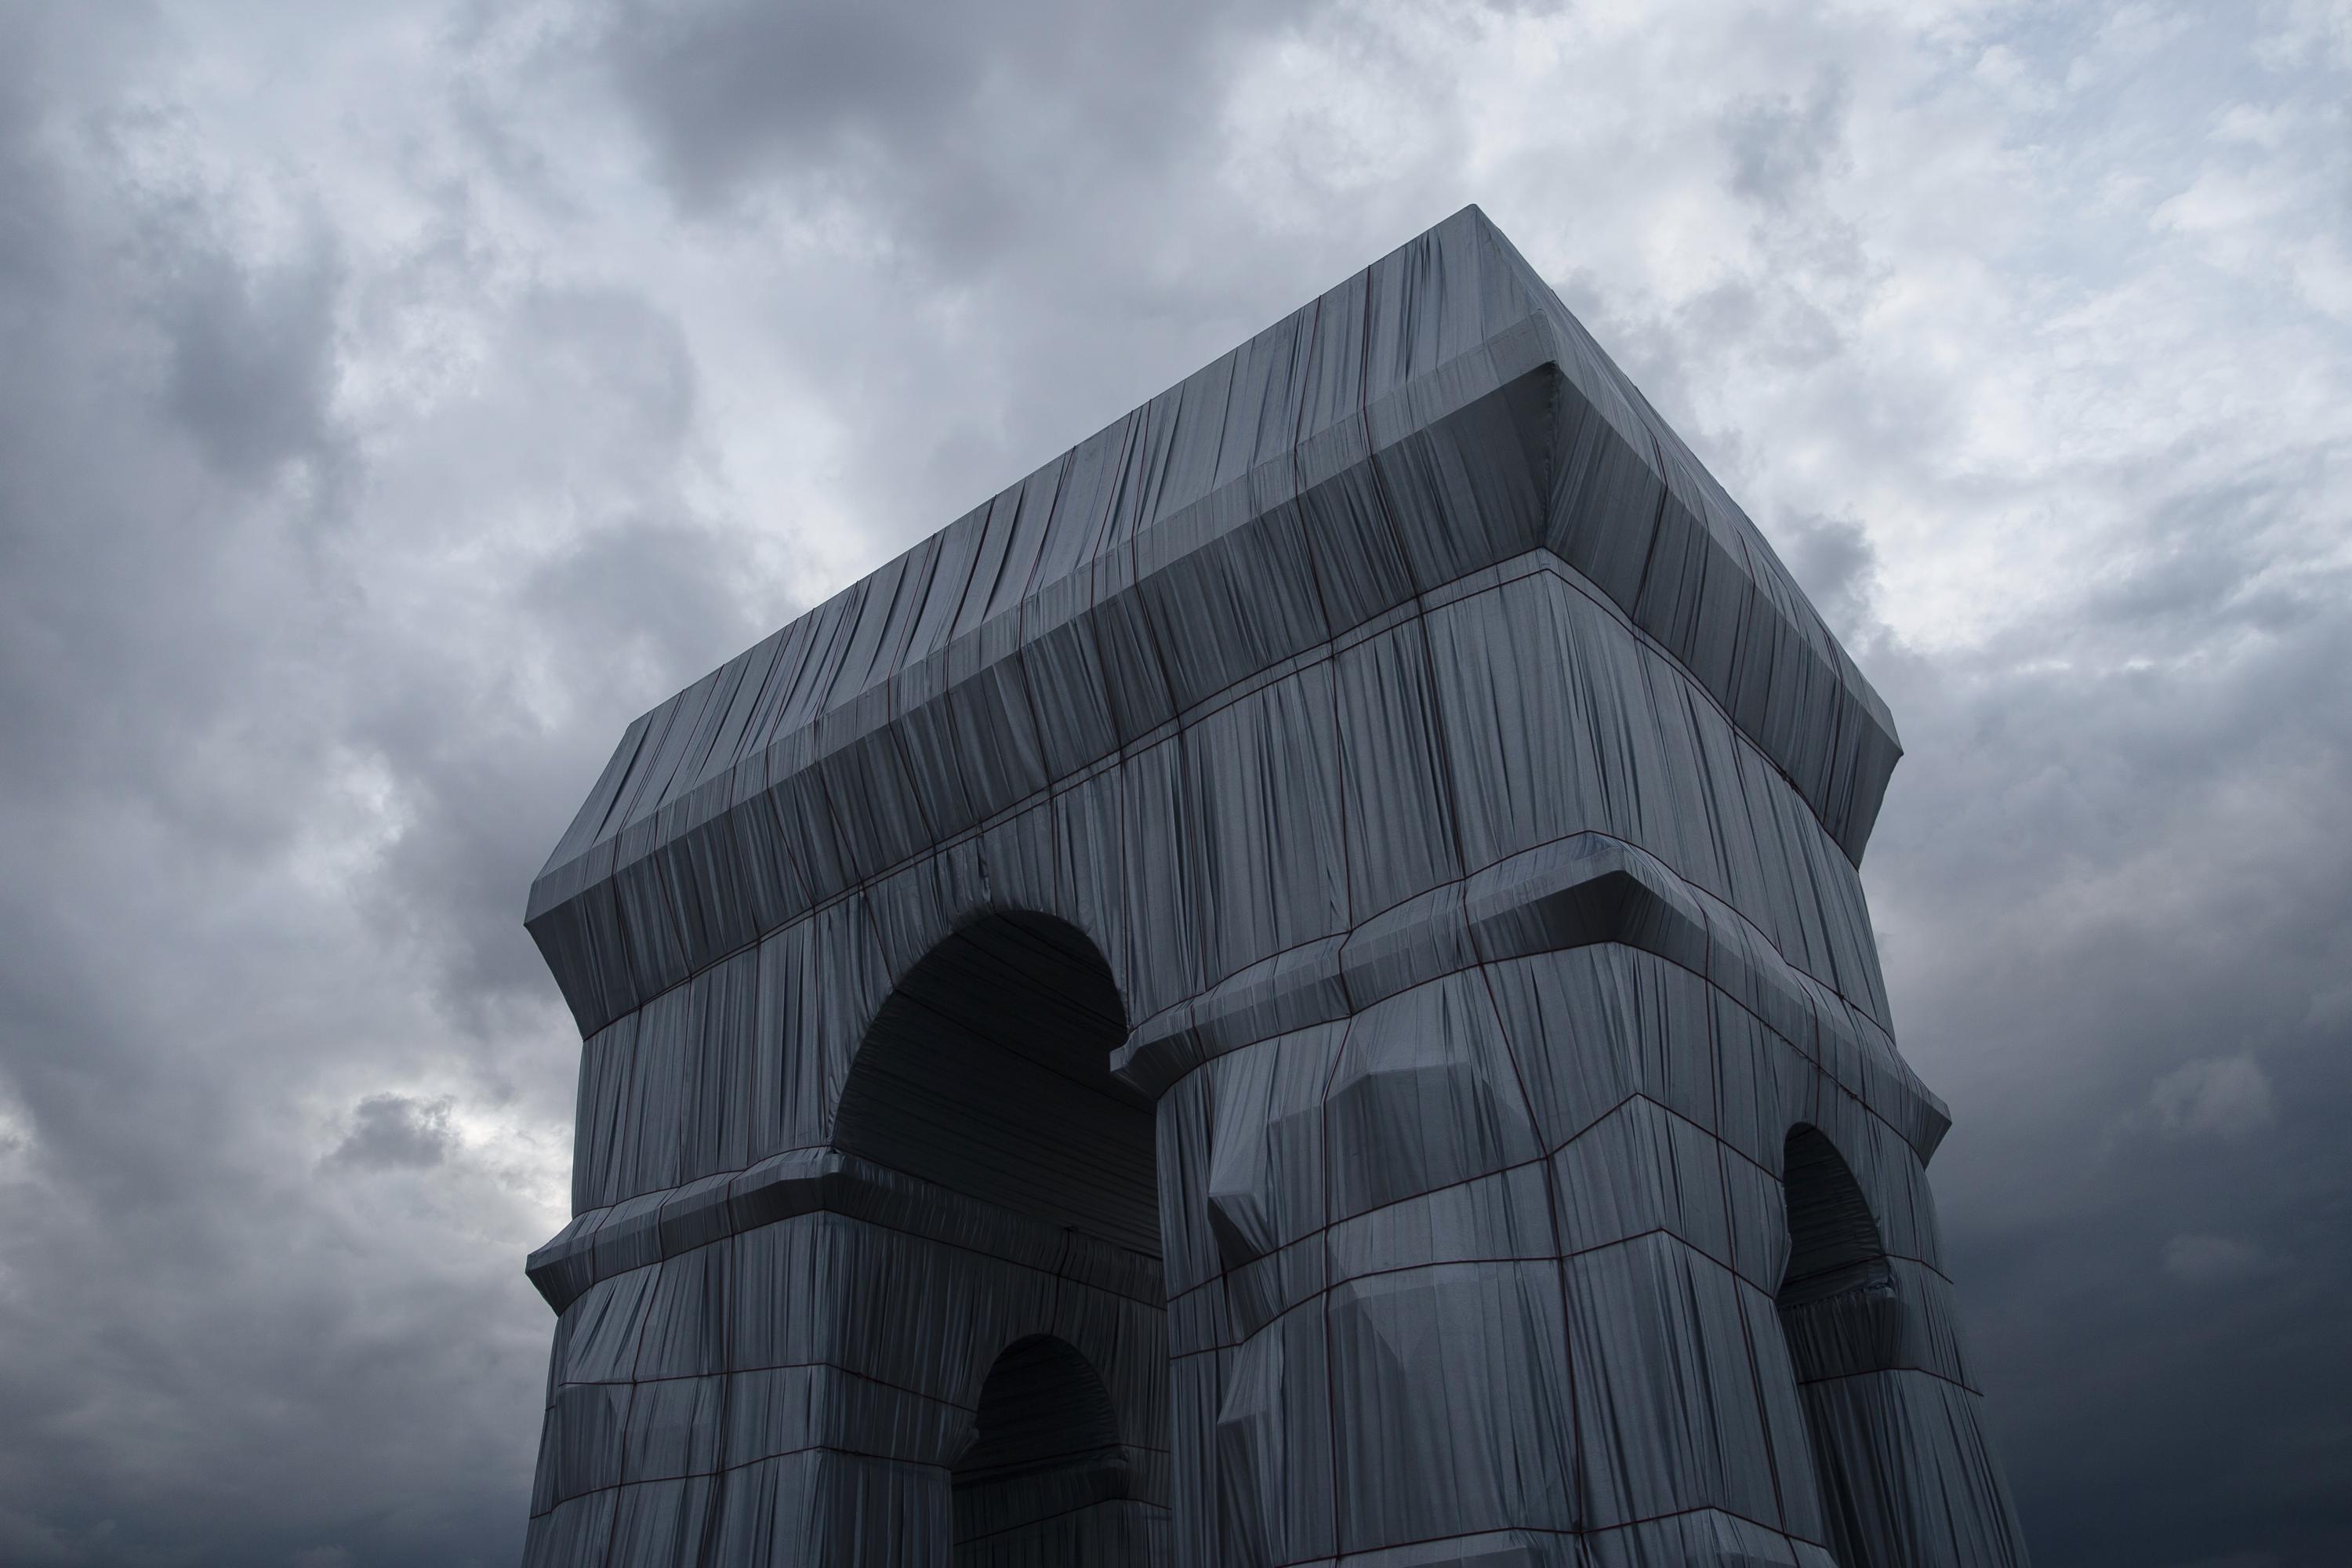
x=2227, y=1097
x=720, y=86
x=1833, y=560
x=2203, y=553
x=967, y=204
x=641, y=605
x=395, y=1132
x=2201, y=1259
x=271, y=793
x=957, y=118
x=639, y=599
x=1777, y=324
x=2086, y=880
x=2112, y=908
x=1779, y=147
x=252, y=357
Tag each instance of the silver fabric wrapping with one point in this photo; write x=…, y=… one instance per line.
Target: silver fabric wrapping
x=1291, y=989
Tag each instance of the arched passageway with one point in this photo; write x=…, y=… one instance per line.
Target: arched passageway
x=1843, y=1316
x=988, y=1072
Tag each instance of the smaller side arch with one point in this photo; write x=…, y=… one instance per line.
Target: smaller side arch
x=1843, y=1313
x=1834, y=1242
x=1042, y=1406
x=1045, y=1480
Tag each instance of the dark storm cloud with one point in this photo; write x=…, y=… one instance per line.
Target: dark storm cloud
x=273, y=792
x=2114, y=906
x=2114, y=902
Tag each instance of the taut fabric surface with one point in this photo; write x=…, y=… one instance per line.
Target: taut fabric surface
x=1291, y=989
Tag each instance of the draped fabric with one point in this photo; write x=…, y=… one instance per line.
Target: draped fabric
x=1291, y=989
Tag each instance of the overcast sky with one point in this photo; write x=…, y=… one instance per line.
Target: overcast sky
x=395, y=400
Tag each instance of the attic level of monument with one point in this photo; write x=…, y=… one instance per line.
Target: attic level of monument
x=1246, y=516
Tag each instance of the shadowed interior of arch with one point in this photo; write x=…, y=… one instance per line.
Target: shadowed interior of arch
x=1044, y=1449
x=1833, y=1242
x=1844, y=1318
x=988, y=1072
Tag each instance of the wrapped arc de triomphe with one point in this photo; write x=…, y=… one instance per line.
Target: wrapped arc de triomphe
x=1293, y=988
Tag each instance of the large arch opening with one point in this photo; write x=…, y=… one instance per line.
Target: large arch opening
x=988, y=1072
x=1843, y=1316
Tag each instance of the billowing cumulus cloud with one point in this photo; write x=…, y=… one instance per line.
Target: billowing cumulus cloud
x=397, y=399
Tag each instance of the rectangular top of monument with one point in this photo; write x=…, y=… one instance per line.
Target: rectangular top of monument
x=1455, y=317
